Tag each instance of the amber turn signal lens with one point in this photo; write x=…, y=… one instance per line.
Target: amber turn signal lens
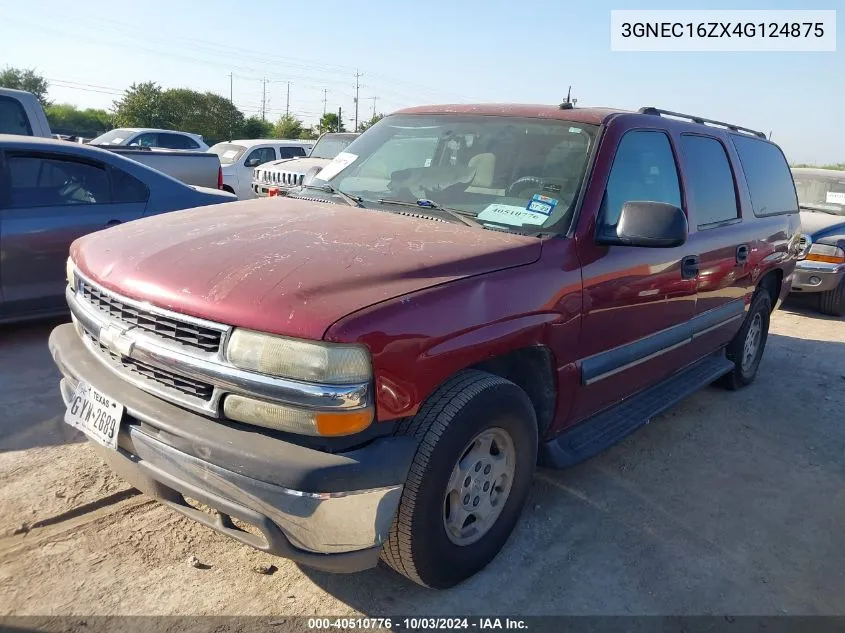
x=828, y=259
x=342, y=423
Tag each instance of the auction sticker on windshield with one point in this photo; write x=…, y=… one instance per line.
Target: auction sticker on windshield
x=513, y=215
x=835, y=197
x=338, y=164
x=95, y=414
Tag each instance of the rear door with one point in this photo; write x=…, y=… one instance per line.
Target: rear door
x=717, y=239
x=53, y=199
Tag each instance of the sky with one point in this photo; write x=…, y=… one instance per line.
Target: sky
x=422, y=52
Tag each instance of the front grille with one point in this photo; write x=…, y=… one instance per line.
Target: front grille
x=188, y=334
x=183, y=384
x=291, y=179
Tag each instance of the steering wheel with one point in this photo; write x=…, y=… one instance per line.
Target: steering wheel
x=534, y=182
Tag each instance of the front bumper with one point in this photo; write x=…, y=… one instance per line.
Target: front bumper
x=262, y=190
x=327, y=511
x=812, y=276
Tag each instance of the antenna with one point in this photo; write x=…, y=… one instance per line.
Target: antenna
x=569, y=103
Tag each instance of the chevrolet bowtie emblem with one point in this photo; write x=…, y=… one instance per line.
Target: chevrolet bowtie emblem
x=114, y=339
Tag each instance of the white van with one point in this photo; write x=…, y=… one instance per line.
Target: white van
x=239, y=158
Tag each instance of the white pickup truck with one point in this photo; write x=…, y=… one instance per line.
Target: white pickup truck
x=21, y=113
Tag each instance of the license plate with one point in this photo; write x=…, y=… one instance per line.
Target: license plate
x=95, y=414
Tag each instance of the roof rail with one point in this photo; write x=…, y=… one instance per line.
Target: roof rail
x=701, y=120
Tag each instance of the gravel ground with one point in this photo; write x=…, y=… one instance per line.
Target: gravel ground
x=728, y=503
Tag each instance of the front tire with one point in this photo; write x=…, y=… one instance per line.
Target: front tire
x=832, y=302
x=746, y=348
x=468, y=481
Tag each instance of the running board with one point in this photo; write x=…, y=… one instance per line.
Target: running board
x=605, y=429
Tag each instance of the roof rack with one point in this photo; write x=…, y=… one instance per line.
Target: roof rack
x=701, y=120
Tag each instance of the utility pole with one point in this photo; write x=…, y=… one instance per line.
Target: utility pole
x=287, y=103
x=264, y=99
x=339, y=119
x=357, y=86
x=325, y=99
x=373, y=99
x=231, y=91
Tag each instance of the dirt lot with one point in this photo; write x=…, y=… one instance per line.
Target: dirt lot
x=730, y=503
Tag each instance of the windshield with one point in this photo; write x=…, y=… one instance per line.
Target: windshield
x=508, y=173
x=331, y=145
x=228, y=152
x=821, y=192
x=115, y=137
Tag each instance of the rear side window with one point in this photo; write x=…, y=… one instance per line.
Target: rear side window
x=13, y=119
x=126, y=188
x=291, y=152
x=710, y=179
x=643, y=170
x=43, y=180
x=175, y=141
x=768, y=176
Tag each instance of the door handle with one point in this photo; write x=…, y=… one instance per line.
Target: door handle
x=689, y=267
x=742, y=254
x=112, y=222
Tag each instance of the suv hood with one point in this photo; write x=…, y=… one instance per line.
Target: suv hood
x=298, y=165
x=821, y=225
x=288, y=266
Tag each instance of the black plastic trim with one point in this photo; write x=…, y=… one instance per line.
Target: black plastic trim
x=605, y=364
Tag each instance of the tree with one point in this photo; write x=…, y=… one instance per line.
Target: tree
x=25, y=79
x=308, y=133
x=256, y=127
x=65, y=118
x=288, y=127
x=142, y=105
x=368, y=124
x=330, y=123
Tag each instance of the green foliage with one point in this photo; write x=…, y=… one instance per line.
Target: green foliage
x=309, y=133
x=255, y=127
x=834, y=166
x=65, y=118
x=330, y=123
x=208, y=114
x=25, y=79
x=368, y=124
x=288, y=127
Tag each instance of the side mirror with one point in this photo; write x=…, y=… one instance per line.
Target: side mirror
x=648, y=224
x=253, y=162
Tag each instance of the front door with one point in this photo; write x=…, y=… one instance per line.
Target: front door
x=637, y=301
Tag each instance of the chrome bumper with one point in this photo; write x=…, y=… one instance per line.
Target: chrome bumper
x=172, y=454
x=211, y=368
x=812, y=276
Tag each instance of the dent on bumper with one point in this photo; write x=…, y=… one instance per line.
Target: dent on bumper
x=336, y=531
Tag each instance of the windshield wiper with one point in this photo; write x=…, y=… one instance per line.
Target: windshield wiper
x=353, y=201
x=463, y=217
x=812, y=207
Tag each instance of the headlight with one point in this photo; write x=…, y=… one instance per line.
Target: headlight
x=70, y=273
x=826, y=253
x=294, y=420
x=309, y=361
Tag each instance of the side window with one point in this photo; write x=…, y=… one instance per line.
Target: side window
x=173, y=141
x=768, y=176
x=643, y=169
x=41, y=180
x=291, y=152
x=13, y=119
x=260, y=156
x=126, y=188
x=148, y=139
x=711, y=182
x=189, y=143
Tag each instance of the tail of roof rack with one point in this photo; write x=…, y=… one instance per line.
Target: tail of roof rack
x=701, y=120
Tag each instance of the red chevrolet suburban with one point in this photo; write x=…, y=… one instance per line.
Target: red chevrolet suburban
x=373, y=367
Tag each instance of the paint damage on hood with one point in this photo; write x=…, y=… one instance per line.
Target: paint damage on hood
x=288, y=266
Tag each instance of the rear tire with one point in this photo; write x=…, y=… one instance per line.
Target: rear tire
x=832, y=302
x=467, y=431
x=746, y=348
